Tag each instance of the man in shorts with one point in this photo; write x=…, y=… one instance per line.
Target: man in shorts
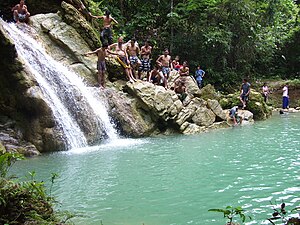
x=146, y=51
x=101, y=66
x=133, y=51
x=165, y=62
x=122, y=58
x=20, y=12
x=106, y=33
x=245, y=92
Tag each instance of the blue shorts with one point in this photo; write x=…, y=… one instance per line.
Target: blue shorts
x=145, y=66
x=165, y=70
x=101, y=66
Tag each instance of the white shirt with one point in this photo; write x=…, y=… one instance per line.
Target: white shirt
x=285, y=91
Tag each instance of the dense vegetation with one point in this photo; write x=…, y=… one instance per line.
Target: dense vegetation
x=26, y=202
x=231, y=39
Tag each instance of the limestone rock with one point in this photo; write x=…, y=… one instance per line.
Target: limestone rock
x=74, y=18
x=127, y=115
x=216, y=108
x=209, y=92
x=160, y=102
x=65, y=44
x=189, y=111
x=191, y=128
x=204, y=117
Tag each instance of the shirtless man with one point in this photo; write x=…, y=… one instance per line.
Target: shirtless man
x=133, y=51
x=101, y=66
x=180, y=90
x=20, y=12
x=165, y=62
x=146, y=51
x=106, y=33
x=122, y=58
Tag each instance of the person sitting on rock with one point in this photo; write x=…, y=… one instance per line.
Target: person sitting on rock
x=20, y=12
x=180, y=89
x=154, y=76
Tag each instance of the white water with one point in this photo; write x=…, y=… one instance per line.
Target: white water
x=65, y=92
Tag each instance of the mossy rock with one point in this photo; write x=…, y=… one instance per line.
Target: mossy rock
x=256, y=104
x=2, y=148
x=209, y=92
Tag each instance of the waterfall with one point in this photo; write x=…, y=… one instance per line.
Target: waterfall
x=77, y=111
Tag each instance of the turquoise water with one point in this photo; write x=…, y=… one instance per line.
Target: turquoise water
x=175, y=180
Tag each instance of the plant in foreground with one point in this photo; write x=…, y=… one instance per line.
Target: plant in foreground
x=25, y=202
x=230, y=212
x=281, y=214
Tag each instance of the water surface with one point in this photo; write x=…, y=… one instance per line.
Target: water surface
x=175, y=180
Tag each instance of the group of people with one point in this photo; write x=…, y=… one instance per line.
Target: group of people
x=285, y=95
x=136, y=60
x=244, y=98
x=133, y=59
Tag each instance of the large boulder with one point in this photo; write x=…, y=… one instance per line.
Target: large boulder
x=160, y=102
x=215, y=106
x=128, y=116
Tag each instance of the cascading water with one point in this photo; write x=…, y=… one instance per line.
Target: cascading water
x=77, y=112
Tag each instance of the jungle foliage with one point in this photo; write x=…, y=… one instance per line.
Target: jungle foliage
x=26, y=202
x=231, y=39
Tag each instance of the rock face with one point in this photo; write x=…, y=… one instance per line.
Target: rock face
x=138, y=109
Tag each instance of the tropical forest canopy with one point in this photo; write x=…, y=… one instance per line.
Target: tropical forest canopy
x=230, y=39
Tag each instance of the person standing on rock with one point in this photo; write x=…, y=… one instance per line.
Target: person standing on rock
x=101, y=65
x=133, y=51
x=285, y=97
x=146, y=52
x=106, y=33
x=245, y=92
x=265, y=92
x=122, y=58
x=165, y=62
x=20, y=12
x=199, y=74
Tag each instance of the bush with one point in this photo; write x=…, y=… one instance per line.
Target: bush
x=24, y=202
